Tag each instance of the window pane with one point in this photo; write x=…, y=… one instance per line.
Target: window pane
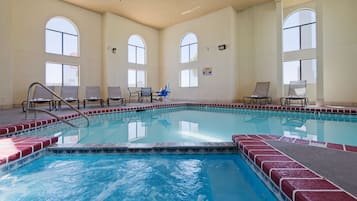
x=70, y=75
x=70, y=45
x=193, y=78
x=309, y=70
x=140, y=55
x=131, y=54
x=53, y=42
x=188, y=39
x=131, y=78
x=185, y=54
x=185, y=78
x=140, y=78
x=53, y=74
x=291, y=71
x=308, y=36
x=299, y=18
x=193, y=52
x=62, y=25
x=136, y=41
x=291, y=39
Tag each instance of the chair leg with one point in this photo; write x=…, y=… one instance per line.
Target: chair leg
x=84, y=103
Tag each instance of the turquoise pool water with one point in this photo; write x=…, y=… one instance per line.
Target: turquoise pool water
x=194, y=124
x=134, y=177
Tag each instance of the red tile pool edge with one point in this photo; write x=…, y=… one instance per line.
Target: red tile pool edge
x=15, y=148
x=296, y=181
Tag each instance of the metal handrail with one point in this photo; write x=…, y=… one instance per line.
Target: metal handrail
x=48, y=112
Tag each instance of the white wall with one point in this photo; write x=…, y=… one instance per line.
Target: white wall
x=211, y=30
x=116, y=32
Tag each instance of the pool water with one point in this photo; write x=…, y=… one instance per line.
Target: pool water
x=195, y=124
x=135, y=177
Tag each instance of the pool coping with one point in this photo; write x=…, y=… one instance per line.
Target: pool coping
x=293, y=179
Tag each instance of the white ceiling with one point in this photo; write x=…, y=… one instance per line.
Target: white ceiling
x=162, y=13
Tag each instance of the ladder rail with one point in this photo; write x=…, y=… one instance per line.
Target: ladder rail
x=48, y=112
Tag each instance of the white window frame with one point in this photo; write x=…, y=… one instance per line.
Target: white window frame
x=62, y=37
x=62, y=74
x=136, y=78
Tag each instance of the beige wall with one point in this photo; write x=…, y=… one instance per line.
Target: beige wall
x=211, y=30
x=257, y=42
x=340, y=51
x=27, y=28
x=251, y=54
x=5, y=54
x=116, y=32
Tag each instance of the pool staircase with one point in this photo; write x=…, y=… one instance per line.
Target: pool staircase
x=35, y=110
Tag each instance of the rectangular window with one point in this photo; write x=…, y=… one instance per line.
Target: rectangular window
x=193, y=52
x=140, y=55
x=131, y=54
x=185, y=54
x=136, y=78
x=291, y=39
x=70, y=45
x=189, y=78
x=53, y=42
x=300, y=70
x=308, y=39
x=61, y=74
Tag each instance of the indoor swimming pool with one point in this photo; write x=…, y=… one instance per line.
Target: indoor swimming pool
x=204, y=124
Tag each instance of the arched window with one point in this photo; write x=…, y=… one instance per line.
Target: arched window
x=189, y=56
x=136, y=50
x=189, y=48
x=62, y=37
x=299, y=34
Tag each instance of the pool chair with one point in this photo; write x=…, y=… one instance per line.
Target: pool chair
x=145, y=93
x=133, y=93
x=41, y=96
x=114, y=94
x=260, y=94
x=162, y=94
x=296, y=93
x=69, y=94
x=93, y=95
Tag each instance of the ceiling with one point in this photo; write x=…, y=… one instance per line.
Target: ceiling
x=162, y=13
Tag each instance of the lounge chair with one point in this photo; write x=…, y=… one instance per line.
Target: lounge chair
x=260, y=94
x=133, y=92
x=69, y=94
x=163, y=93
x=296, y=93
x=144, y=93
x=114, y=94
x=40, y=96
x=93, y=95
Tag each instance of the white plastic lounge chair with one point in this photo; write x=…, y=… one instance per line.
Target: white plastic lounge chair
x=114, y=94
x=133, y=92
x=93, y=95
x=69, y=94
x=296, y=93
x=260, y=94
x=144, y=93
x=40, y=96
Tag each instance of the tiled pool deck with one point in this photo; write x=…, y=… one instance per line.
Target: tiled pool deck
x=295, y=180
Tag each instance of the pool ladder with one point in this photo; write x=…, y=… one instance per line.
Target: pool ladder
x=28, y=108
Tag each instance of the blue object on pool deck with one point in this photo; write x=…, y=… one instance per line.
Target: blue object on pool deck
x=135, y=177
